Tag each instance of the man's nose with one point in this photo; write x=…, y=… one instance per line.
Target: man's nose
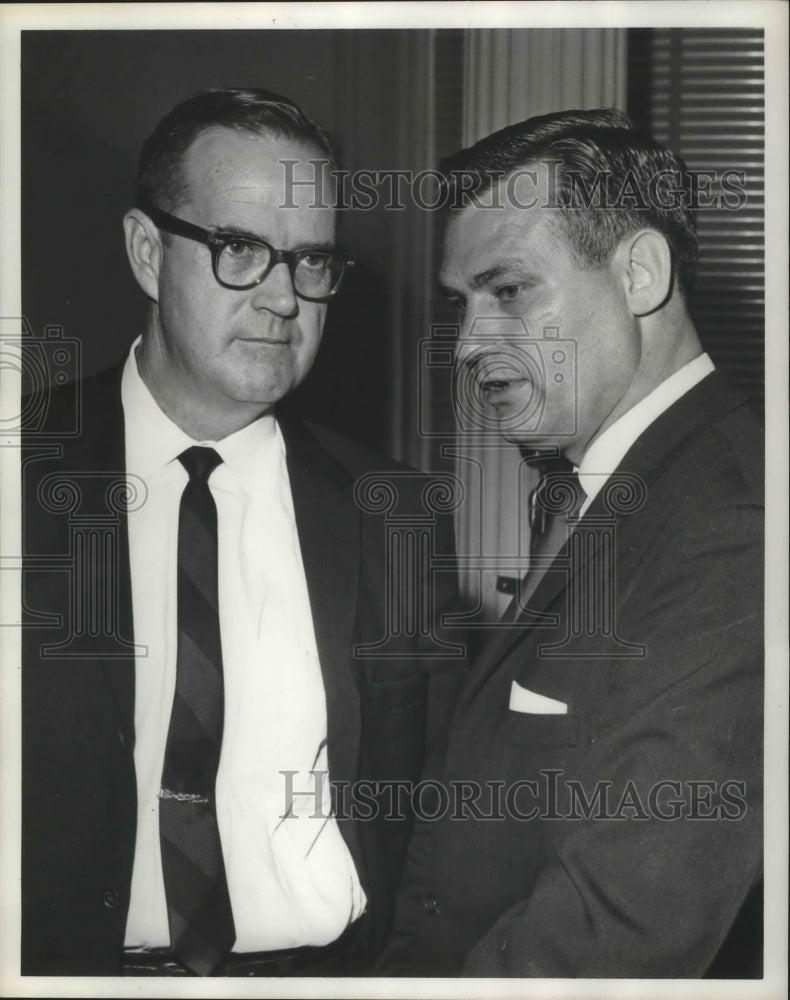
x=467, y=343
x=483, y=330
x=464, y=349
x=464, y=321
x=276, y=292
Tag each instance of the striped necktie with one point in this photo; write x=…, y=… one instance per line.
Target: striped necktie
x=553, y=507
x=198, y=902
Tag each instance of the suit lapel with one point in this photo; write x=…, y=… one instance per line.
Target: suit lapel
x=650, y=454
x=327, y=521
x=529, y=621
x=95, y=456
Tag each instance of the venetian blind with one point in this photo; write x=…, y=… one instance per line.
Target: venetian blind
x=702, y=93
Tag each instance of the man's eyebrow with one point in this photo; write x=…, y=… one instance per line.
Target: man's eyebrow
x=323, y=245
x=501, y=267
x=483, y=277
x=446, y=291
x=247, y=234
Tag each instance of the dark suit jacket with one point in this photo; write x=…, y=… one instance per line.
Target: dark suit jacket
x=385, y=716
x=620, y=892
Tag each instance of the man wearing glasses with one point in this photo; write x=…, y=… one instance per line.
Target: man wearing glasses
x=178, y=813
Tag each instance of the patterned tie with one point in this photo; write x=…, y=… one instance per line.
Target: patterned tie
x=553, y=504
x=198, y=902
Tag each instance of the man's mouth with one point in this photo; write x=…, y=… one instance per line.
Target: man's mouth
x=499, y=391
x=496, y=384
x=496, y=377
x=264, y=340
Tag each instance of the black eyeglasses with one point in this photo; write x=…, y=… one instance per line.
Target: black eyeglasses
x=241, y=262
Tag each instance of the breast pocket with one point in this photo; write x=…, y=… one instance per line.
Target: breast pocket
x=526, y=729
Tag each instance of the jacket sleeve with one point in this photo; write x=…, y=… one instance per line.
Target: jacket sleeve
x=445, y=675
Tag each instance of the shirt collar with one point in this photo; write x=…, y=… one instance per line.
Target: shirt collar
x=607, y=451
x=153, y=440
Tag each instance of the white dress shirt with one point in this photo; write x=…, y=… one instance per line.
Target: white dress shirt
x=292, y=881
x=607, y=451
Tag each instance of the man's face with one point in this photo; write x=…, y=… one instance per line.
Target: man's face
x=233, y=351
x=513, y=274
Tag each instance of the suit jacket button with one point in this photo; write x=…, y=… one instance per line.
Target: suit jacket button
x=431, y=906
x=112, y=899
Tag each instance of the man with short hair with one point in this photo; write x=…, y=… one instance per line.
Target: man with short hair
x=604, y=762
x=202, y=685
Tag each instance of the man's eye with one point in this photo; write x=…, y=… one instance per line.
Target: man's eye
x=240, y=248
x=457, y=302
x=508, y=293
x=315, y=261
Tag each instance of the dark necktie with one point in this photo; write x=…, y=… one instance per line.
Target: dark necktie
x=198, y=902
x=553, y=505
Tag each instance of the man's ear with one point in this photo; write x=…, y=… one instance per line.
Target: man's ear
x=144, y=250
x=646, y=268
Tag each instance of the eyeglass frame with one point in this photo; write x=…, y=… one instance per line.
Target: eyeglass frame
x=217, y=240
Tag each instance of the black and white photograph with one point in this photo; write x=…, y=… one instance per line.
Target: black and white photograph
x=393, y=524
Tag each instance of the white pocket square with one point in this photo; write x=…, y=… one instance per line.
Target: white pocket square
x=524, y=700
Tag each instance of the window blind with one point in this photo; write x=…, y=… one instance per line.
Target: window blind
x=701, y=91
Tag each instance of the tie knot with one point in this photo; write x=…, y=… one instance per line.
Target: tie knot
x=199, y=462
x=558, y=492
